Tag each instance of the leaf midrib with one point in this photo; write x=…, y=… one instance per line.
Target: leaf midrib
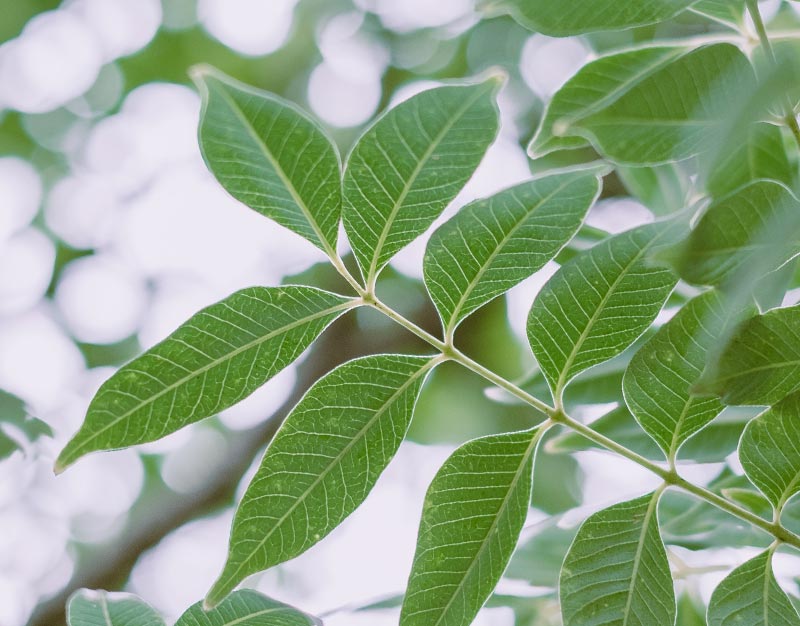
x=251, y=130
x=485, y=266
x=243, y=348
x=637, y=558
x=373, y=266
x=334, y=463
x=489, y=535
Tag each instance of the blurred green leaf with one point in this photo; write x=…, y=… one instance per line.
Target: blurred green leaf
x=574, y=17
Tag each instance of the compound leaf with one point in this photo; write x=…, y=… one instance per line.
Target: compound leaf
x=770, y=451
x=100, y=608
x=323, y=462
x=751, y=595
x=471, y=520
x=246, y=608
x=219, y=356
x=271, y=156
x=596, y=305
x=616, y=573
x=761, y=363
x=574, y=17
x=493, y=244
x=742, y=236
x=411, y=163
x=659, y=380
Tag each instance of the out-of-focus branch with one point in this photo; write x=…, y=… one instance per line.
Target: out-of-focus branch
x=110, y=568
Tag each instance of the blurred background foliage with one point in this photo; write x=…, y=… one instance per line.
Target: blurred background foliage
x=112, y=232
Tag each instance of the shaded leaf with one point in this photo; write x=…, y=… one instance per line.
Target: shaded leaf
x=15, y=421
x=596, y=85
x=761, y=363
x=574, y=17
x=662, y=188
x=538, y=559
x=271, y=156
x=596, y=305
x=323, y=462
x=742, y=236
x=246, y=608
x=751, y=595
x=218, y=357
x=473, y=513
x=761, y=155
x=659, y=381
x=411, y=163
x=673, y=113
x=728, y=12
x=493, y=244
x=770, y=451
x=616, y=572
x=100, y=608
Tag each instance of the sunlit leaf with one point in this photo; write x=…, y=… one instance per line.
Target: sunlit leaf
x=742, y=236
x=411, y=163
x=596, y=305
x=616, y=572
x=270, y=155
x=473, y=513
x=493, y=244
x=323, y=462
x=728, y=12
x=246, y=608
x=770, y=451
x=218, y=357
x=761, y=364
x=573, y=17
x=100, y=608
x=751, y=595
x=659, y=381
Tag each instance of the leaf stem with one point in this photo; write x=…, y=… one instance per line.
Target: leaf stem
x=789, y=116
x=669, y=475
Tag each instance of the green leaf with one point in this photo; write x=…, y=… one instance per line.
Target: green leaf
x=728, y=12
x=596, y=305
x=762, y=155
x=493, y=244
x=538, y=559
x=473, y=513
x=770, y=451
x=100, y=608
x=596, y=85
x=673, y=113
x=574, y=17
x=659, y=381
x=246, y=608
x=323, y=462
x=411, y=163
x=14, y=418
x=663, y=188
x=742, y=236
x=616, y=572
x=751, y=595
x=761, y=364
x=271, y=156
x=215, y=359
